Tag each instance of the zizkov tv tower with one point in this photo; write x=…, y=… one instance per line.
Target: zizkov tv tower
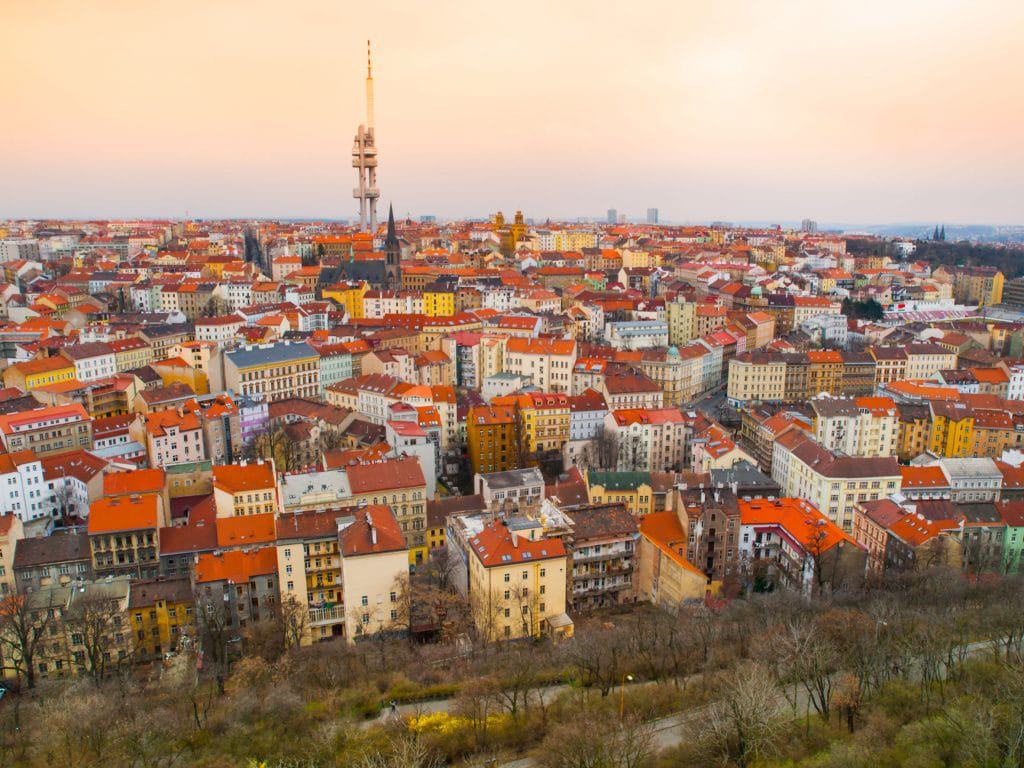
x=364, y=159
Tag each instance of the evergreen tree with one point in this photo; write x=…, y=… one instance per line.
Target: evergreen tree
x=935, y=234
x=942, y=233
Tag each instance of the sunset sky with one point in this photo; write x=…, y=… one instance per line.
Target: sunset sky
x=855, y=112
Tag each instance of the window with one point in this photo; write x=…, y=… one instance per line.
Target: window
x=365, y=600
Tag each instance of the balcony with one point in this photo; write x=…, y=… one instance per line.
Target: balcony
x=320, y=616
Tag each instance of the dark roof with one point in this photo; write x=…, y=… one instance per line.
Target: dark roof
x=438, y=510
x=598, y=521
x=146, y=593
x=58, y=548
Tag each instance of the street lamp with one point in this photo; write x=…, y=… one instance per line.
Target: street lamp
x=622, y=695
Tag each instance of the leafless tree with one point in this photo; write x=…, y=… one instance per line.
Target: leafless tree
x=809, y=658
x=401, y=752
x=25, y=623
x=214, y=630
x=598, y=741
x=600, y=657
x=743, y=724
x=95, y=623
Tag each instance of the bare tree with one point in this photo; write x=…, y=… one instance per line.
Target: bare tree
x=401, y=752
x=95, y=623
x=598, y=741
x=606, y=449
x=742, y=726
x=600, y=657
x=293, y=619
x=214, y=630
x=25, y=623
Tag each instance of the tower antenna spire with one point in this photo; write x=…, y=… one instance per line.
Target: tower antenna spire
x=369, y=88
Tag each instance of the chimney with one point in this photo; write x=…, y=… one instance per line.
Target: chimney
x=515, y=539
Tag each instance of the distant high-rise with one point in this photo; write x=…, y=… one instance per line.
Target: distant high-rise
x=652, y=215
x=613, y=216
x=364, y=159
x=809, y=225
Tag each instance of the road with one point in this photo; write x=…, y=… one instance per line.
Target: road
x=669, y=731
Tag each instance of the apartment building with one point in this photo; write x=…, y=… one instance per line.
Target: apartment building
x=46, y=430
x=865, y=426
x=491, y=438
x=247, y=488
x=161, y=614
x=124, y=536
x=517, y=584
x=834, y=483
x=546, y=362
x=272, y=371
x=400, y=484
x=603, y=553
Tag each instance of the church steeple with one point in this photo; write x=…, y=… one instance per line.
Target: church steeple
x=392, y=235
x=392, y=254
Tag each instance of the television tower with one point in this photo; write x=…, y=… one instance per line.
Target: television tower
x=364, y=159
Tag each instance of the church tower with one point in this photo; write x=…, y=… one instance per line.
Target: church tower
x=392, y=255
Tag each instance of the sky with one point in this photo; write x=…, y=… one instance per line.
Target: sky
x=860, y=112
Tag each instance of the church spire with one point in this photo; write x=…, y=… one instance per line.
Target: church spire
x=392, y=234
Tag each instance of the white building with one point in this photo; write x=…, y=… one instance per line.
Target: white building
x=637, y=334
x=22, y=490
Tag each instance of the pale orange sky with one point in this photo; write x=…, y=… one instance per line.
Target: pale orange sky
x=866, y=112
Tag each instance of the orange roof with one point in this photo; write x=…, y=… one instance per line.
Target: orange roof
x=237, y=566
x=136, y=481
x=541, y=346
x=244, y=530
x=923, y=477
x=990, y=375
x=915, y=529
x=42, y=365
x=495, y=547
x=824, y=356
x=798, y=518
x=123, y=513
x=664, y=531
x=236, y=478
x=159, y=422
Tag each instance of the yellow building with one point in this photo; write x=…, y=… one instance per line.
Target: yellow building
x=633, y=489
x=245, y=489
x=131, y=353
x=348, y=296
x=665, y=577
x=40, y=372
x=160, y=613
x=544, y=419
x=952, y=429
x=438, y=301
x=978, y=285
x=914, y=429
x=517, y=584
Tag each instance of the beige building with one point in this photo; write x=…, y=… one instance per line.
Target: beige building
x=833, y=483
x=756, y=377
x=11, y=530
x=547, y=362
x=862, y=426
x=275, y=371
x=517, y=583
x=246, y=489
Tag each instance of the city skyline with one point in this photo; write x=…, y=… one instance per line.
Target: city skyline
x=765, y=115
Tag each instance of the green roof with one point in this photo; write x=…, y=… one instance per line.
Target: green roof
x=619, y=481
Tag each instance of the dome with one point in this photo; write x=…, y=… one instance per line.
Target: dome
x=673, y=352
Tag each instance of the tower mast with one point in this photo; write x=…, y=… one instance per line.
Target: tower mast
x=364, y=159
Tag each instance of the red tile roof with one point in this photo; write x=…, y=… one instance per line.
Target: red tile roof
x=123, y=513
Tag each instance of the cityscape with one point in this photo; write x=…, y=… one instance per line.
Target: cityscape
x=392, y=488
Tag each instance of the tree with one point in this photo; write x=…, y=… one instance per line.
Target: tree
x=25, y=622
x=401, y=752
x=606, y=449
x=598, y=740
x=214, y=630
x=742, y=726
x=95, y=623
x=215, y=307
